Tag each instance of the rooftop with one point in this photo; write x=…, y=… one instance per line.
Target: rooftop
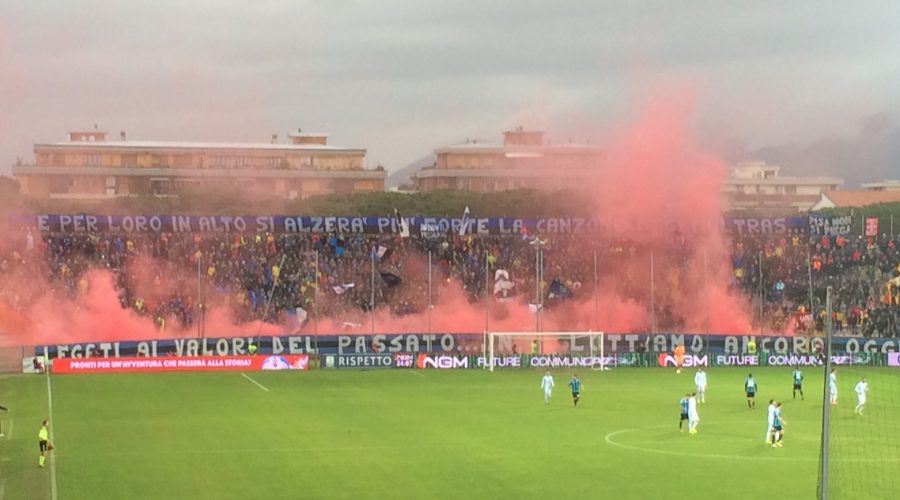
x=485, y=147
x=858, y=198
x=196, y=145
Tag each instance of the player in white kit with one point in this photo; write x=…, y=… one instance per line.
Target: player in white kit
x=547, y=386
x=693, y=416
x=700, y=382
x=832, y=387
x=770, y=414
x=862, y=387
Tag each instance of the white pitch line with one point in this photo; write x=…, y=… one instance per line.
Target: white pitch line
x=608, y=439
x=9, y=435
x=52, y=426
x=255, y=382
x=416, y=373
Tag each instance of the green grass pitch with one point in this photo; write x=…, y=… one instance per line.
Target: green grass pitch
x=436, y=434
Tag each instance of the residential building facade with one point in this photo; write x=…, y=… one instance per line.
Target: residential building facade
x=885, y=185
x=90, y=166
x=758, y=186
x=523, y=160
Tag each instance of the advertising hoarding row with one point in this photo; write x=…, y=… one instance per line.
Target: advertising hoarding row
x=447, y=362
x=183, y=363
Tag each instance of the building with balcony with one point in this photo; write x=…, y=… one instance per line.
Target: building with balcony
x=90, y=166
x=885, y=185
x=523, y=160
x=758, y=186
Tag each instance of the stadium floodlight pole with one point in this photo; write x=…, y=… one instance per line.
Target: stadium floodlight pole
x=372, y=295
x=541, y=293
x=826, y=403
x=809, y=279
x=484, y=337
x=199, y=297
x=316, y=301
x=538, y=276
x=429, y=291
x=759, y=265
x=596, y=295
x=269, y=298
x=706, y=286
x=487, y=292
x=652, y=296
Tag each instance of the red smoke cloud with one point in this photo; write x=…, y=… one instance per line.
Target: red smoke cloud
x=658, y=195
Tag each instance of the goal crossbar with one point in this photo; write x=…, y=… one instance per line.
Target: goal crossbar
x=491, y=336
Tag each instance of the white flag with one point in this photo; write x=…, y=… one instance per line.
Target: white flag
x=302, y=315
x=402, y=224
x=465, y=222
x=501, y=281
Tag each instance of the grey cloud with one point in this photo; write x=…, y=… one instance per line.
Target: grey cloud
x=402, y=77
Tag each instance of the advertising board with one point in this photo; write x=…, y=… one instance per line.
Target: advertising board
x=183, y=363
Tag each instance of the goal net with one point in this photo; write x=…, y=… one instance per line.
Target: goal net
x=860, y=441
x=548, y=349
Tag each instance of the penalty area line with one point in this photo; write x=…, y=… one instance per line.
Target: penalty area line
x=255, y=382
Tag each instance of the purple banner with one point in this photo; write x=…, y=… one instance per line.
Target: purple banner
x=894, y=359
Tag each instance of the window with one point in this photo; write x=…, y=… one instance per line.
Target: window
x=160, y=185
x=182, y=161
x=92, y=160
x=60, y=184
x=187, y=184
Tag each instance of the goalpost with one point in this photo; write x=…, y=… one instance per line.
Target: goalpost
x=584, y=343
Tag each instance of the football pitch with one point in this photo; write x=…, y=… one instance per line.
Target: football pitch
x=437, y=434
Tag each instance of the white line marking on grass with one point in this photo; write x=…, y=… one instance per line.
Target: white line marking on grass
x=9, y=431
x=609, y=440
x=255, y=382
x=315, y=449
x=52, y=425
x=416, y=373
x=2, y=488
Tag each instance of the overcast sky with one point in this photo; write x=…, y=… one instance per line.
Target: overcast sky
x=813, y=85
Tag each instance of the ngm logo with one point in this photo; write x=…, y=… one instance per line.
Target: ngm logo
x=689, y=360
x=441, y=362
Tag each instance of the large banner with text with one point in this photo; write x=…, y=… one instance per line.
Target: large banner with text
x=448, y=343
x=425, y=226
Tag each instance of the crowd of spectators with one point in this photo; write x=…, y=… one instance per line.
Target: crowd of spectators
x=172, y=278
x=788, y=276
